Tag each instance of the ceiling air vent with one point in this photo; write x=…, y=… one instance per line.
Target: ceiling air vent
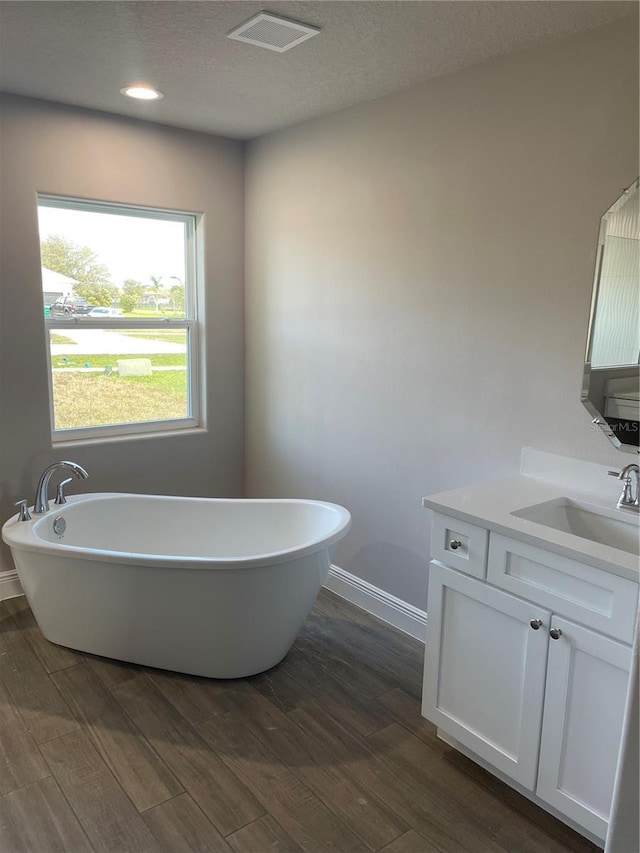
x=272, y=32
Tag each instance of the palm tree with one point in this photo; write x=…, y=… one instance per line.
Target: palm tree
x=177, y=294
x=155, y=288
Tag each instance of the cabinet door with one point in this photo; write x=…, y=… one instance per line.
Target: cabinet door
x=485, y=671
x=587, y=680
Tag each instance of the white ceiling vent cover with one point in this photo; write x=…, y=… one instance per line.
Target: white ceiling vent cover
x=272, y=32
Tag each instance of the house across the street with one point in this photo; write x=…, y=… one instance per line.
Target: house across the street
x=55, y=286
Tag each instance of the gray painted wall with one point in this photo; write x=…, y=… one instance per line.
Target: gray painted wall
x=418, y=282
x=57, y=149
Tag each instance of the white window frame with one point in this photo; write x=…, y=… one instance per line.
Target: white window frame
x=190, y=323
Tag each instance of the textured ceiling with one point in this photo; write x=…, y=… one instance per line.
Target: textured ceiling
x=82, y=53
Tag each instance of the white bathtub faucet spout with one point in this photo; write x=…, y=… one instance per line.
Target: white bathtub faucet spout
x=41, y=502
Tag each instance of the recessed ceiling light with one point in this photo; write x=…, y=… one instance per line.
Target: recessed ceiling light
x=142, y=92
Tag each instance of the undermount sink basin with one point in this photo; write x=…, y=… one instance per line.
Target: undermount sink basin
x=615, y=528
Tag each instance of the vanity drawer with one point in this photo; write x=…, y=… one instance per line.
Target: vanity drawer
x=458, y=544
x=591, y=596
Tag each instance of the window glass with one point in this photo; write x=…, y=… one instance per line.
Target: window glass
x=120, y=310
x=118, y=376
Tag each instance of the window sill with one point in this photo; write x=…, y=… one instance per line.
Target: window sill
x=185, y=432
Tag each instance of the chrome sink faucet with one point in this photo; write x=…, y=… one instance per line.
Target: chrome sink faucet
x=41, y=502
x=629, y=499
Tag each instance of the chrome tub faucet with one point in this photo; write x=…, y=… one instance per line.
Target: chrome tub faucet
x=41, y=502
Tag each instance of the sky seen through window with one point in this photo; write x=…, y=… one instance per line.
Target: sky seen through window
x=131, y=247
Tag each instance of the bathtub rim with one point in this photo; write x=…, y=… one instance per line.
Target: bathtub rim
x=23, y=536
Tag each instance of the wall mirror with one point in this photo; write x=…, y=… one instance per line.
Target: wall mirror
x=611, y=384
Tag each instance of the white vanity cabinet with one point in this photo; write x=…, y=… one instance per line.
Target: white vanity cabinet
x=586, y=688
x=526, y=666
x=484, y=672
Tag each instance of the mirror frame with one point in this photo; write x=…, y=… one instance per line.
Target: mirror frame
x=598, y=418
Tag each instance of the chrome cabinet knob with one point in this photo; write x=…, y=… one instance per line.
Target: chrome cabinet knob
x=536, y=624
x=455, y=544
x=555, y=633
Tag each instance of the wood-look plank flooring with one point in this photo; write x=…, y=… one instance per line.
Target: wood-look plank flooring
x=325, y=753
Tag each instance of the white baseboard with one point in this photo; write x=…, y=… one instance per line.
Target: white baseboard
x=407, y=618
x=9, y=585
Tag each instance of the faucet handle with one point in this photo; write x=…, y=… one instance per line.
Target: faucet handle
x=23, y=512
x=60, y=497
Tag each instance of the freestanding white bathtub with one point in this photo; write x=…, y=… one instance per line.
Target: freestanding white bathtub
x=218, y=588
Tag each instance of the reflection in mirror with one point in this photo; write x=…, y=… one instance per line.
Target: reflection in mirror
x=611, y=387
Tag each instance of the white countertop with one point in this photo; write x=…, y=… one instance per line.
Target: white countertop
x=491, y=504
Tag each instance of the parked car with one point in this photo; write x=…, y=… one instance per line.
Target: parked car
x=104, y=312
x=70, y=306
